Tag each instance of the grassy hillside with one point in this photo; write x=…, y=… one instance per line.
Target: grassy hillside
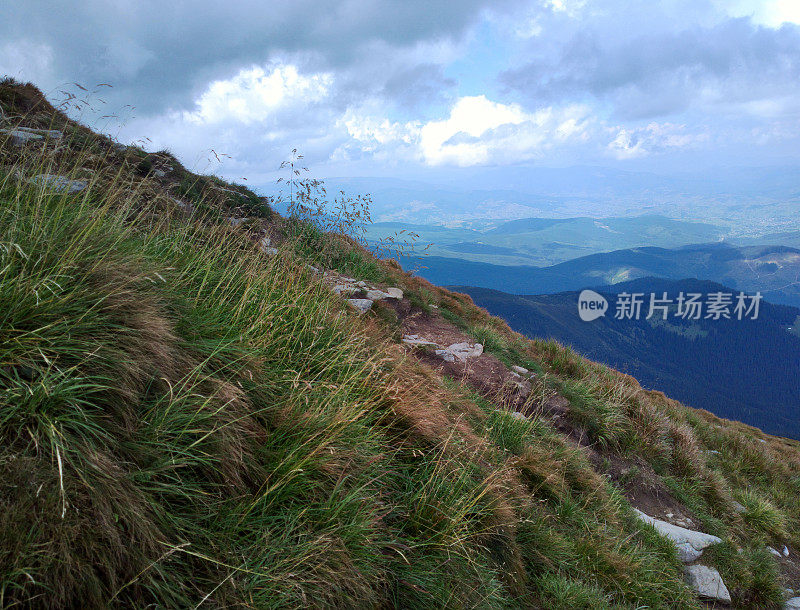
x=187, y=419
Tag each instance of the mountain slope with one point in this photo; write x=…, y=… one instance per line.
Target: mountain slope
x=747, y=370
x=191, y=416
x=772, y=270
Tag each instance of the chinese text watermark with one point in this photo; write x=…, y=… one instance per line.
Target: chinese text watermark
x=685, y=305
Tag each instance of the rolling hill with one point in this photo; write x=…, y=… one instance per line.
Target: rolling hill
x=773, y=270
x=741, y=369
x=549, y=241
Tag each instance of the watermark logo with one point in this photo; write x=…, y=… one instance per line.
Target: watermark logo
x=591, y=305
x=686, y=306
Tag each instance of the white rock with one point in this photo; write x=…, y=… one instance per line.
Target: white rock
x=342, y=288
x=446, y=355
x=739, y=508
x=517, y=415
x=464, y=350
x=394, y=293
x=377, y=295
x=414, y=340
x=19, y=137
x=362, y=284
x=60, y=184
x=680, y=535
x=707, y=583
x=792, y=604
x=54, y=134
x=785, y=551
x=520, y=369
x=313, y=269
x=362, y=305
x=774, y=552
x=235, y=222
x=687, y=553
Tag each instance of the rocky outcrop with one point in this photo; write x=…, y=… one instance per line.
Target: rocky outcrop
x=792, y=604
x=462, y=351
x=341, y=284
x=361, y=305
x=60, y=184
x=707, y=583
x=24, y=135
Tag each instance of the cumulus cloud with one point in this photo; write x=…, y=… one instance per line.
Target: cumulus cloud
x=256, y=94
x=480, y=131
x=647, y=67
x=162, y=54
x=426, y=82
x=630, y=143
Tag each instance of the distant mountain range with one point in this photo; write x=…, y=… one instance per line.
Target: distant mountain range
x=548, y=241
x=747, y=370
x=750, y=202
x=773, y=270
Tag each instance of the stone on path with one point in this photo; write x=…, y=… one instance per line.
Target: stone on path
x=707, y=583
x=446, y=355
x=377, y=295
x=464, y=350
x=415, y=340
x=362, y=305
x=690, y=543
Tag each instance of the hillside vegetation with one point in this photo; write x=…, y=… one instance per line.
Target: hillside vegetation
x=190, y=420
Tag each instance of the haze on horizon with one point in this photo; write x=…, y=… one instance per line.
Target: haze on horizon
x=429, y=89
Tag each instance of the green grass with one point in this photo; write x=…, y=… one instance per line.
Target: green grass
x=187, y=422
x=182, y=421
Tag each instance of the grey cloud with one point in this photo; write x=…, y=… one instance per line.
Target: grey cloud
x=161, y=53
x=647, y=71
x=418, y=86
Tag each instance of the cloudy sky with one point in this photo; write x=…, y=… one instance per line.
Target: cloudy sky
x=416, y=87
